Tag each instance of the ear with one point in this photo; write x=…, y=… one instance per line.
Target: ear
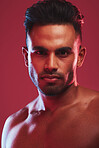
x=25, y=54
x=81, y=56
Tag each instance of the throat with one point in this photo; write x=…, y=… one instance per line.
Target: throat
x=67, y=98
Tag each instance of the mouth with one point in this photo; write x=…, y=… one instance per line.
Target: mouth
x=50, y=78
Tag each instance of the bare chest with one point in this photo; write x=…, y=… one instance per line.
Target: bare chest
x=70, y=130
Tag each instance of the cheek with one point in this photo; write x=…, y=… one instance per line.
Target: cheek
x=37, y=64
x=67, y=64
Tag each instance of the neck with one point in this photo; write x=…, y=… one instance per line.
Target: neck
x=66, y=98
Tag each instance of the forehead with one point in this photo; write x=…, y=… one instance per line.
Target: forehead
x=53, y=35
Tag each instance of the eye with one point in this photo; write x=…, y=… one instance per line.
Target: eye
x=62, y=53
x=41, y=52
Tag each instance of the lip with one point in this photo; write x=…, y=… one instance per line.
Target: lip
x=50, y=78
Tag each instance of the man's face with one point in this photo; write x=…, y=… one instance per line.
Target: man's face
x=52, y=57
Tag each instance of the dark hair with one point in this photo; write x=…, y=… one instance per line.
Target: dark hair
x=53, y=12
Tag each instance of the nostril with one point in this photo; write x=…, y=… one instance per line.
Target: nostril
x=50, y=70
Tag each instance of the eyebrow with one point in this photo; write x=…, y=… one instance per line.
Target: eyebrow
x=40, y=48
x=64, y=48
x=45, y=49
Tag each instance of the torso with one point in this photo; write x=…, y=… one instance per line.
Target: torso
x=75, y=126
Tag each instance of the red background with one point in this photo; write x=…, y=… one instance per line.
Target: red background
x=16, y=88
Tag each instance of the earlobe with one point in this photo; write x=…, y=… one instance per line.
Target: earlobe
x=81, y=56
x=25, y=54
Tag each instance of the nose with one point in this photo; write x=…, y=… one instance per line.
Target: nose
x=51, y=63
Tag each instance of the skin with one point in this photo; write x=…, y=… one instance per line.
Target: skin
x=64, y=114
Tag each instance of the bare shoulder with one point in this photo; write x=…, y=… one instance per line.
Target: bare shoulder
x=88, y=92
x=12, y=121
x=92, y=97
x=94, y=104
x=15, y=120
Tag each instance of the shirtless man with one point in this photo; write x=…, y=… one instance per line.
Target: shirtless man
x=64, y=115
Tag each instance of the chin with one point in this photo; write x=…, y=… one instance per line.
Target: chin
x=53, y=90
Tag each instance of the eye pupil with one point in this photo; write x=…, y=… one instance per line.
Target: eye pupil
x=63, y=52
x=41, y=52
